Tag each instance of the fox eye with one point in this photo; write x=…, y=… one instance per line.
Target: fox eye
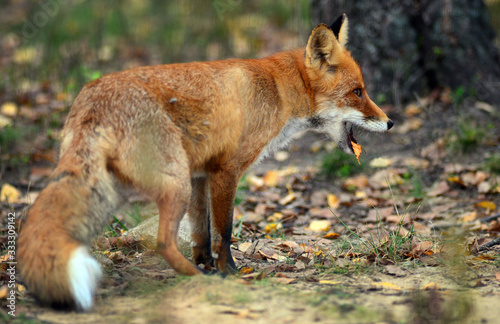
x=357, y=92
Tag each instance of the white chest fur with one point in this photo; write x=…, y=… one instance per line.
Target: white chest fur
x=292, y=128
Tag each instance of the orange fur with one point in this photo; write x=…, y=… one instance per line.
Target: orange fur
x=183, y=134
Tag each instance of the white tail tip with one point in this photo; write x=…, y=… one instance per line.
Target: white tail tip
x=84, y=273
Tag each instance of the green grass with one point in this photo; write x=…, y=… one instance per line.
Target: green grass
x=414, y=179
x=340, y=165
x=383, y=243
x=466, y=137
x=492, y=164
x=10, y=137
x=135, y=215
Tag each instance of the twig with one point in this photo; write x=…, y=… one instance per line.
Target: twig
x=490, y=218
x=489, y=244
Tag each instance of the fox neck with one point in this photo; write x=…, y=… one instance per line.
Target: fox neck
x=297, y=98
x=295, y=89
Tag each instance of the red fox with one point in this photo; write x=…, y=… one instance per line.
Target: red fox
x=183, y=134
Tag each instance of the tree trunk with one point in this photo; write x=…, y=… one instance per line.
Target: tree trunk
x=411, y=47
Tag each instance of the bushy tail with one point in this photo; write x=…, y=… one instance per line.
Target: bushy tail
x=53, y=256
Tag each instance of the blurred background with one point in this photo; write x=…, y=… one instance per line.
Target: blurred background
x=441, y=49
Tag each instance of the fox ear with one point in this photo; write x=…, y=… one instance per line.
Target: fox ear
x=340, y=28
x=322, y=47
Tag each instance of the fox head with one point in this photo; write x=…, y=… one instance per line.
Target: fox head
x=341, y=100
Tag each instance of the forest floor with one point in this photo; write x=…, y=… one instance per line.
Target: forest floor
x=317, y=239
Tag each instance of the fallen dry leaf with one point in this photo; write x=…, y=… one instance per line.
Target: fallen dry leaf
x=488, y=205
x=271, y=178
x=253, y=180
x=287, y=199
x=321, y=212
x=246, y=270
x=9, y=194
x=421, y=247
x=359, y=182
x=273, y=228
x=439, y=189
x=319, y=225
x=243, y=247
x=386, y=285
x=431, y=286
x=3, y=292
x=9, y=109
x=484, y=187
x=333, y=201
x=331, y=236
x=385, y=178
x=380, y=162
x=469, y=217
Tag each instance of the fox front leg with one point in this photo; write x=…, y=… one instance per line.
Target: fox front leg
x=199, y=218
x=223, y=186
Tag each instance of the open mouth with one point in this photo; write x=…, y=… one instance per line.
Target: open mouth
x=350, y=135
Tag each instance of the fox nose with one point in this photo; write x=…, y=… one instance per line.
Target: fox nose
x=390, y=123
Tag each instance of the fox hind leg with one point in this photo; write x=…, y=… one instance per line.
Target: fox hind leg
x=156, y=163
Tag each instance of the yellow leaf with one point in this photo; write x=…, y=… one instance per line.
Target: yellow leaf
x=287, y=199
x=333, y=201
x=431, y=286
x=455, y=179
x=271, y=178
x=246, y=270
x=360, y=194
x=387, y=285
x=275, y=217
x=273, y=228
x=320, y=254
x=3, y=292
x=331, y=236
x=380, y=162
x=20, y=288
x=255, y=181
x=469, y=217
x=9, y=193
x=329, y=282
x=9, y=109
x=319, y=225
x=489, y=205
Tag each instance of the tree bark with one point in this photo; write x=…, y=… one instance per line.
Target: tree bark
x=411, y=47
